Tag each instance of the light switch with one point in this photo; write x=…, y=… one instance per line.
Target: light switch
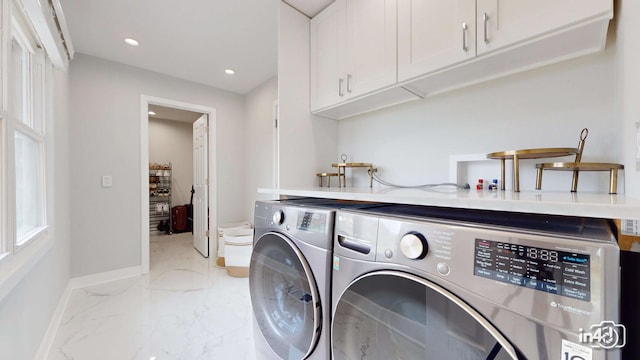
x=107, y=181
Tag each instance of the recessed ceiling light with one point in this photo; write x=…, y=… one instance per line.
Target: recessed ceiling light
x=152, y=113
x=132, y=42
x=229, y=72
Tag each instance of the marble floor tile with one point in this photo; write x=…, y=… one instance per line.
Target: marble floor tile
x=185, y=308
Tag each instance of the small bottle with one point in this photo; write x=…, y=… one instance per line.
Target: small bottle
x=494, y=185
x=480, y=185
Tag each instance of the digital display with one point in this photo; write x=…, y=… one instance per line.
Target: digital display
x=557, y=272
x=312, y=222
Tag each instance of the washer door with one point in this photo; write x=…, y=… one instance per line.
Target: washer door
x=284, y=296
x=392, y=315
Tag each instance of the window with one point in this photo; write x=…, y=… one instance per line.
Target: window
x=29, y=188
x=26, y=75
x=24, y=136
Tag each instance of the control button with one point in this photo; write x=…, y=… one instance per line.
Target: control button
x=414, y=246
x=288, y=227
x=388, y=253
x=443, y=268
x=278, y=217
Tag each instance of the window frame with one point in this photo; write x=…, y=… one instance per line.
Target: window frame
x=4, y=25
x=41, y=229
x=19, y=118
x=24, y=35
x=16, y=261
x=5, y=248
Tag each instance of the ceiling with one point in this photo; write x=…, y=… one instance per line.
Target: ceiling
x=194, y=40
x=309, y=7
x=167, y=113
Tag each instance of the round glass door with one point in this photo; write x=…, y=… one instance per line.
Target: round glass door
x=392, y=315
x=284, y=296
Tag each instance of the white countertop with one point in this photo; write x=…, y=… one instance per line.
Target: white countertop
x=540, y=202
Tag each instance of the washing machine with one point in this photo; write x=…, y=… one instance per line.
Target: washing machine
x=290, y=277
x=412, y=282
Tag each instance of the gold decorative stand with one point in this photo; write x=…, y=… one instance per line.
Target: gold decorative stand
x=323, y=175
x=581, y=166
x=517, y=155
x=342, y=169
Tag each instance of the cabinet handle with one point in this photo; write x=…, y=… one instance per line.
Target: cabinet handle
x=465, y=48
x=340, y=81
x=485, y=18
x=349, y=83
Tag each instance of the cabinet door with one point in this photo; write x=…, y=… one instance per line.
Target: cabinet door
x=433, y=34
x=327, y=56
x=505, y=22
x=371, y=45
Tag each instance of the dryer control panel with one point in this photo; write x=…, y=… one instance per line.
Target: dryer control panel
x=549, y=270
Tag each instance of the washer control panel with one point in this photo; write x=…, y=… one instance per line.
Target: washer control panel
x=311, y=221
x=313, y=225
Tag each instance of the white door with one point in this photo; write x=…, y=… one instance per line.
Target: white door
x=200, y=179
x=433, y=34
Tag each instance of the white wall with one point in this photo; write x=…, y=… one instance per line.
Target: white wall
x=26, y=310
x=308, y=144
x=260, y=142
x=547, y=107
x=172, y=142
x=628, y=76
x=105, y=140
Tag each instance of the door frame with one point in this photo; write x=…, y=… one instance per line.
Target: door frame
x=145, y=101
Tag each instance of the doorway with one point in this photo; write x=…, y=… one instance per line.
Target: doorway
x=158, y=113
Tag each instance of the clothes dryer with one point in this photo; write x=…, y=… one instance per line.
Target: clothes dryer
x=290, y=277
x=434, y=283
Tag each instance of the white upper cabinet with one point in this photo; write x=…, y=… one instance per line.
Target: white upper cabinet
x=433, y=34
x=327, y=56
x=371, y=45
x=370, y=54
x=353, y=50
x=505, y=22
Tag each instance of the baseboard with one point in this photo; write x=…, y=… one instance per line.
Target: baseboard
x=54, y=323
x=76, y=283
x=107, y=276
